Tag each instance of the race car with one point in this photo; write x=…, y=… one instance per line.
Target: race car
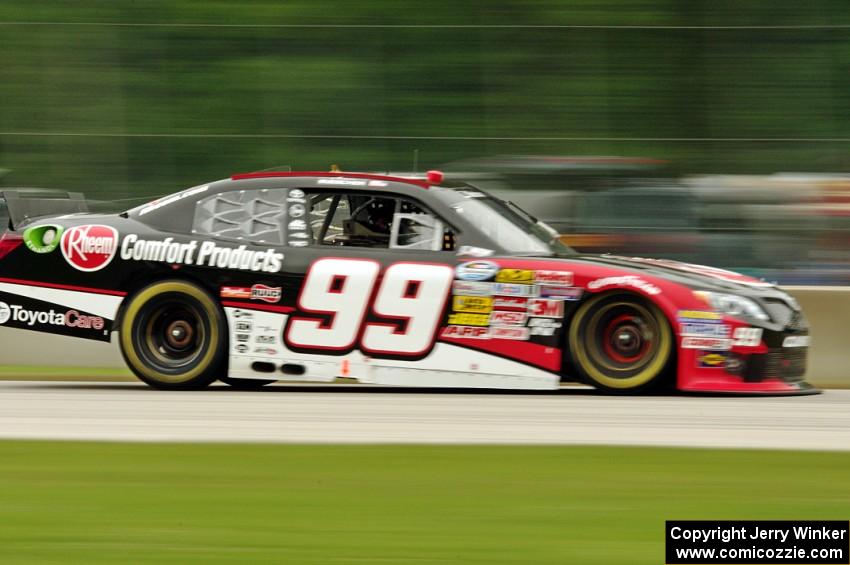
x=339, y=277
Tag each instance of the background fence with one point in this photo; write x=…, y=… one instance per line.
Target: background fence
x=127, y=99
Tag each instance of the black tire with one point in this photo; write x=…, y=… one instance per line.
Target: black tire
x=245, y=384
x=173, y=336
x=621, y=343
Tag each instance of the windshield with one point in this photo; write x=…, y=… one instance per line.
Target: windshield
x=513, y=229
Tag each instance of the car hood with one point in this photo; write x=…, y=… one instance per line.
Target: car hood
x=697, y=277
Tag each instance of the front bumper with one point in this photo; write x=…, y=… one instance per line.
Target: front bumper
x=769, y=367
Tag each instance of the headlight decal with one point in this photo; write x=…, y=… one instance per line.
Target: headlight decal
x=734, y=305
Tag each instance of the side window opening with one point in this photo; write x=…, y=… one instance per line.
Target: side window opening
x=257, y=216
x=376, y=220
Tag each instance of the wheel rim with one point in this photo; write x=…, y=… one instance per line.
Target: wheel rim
x=622, y=338
x=173, y=335
x=626, y=339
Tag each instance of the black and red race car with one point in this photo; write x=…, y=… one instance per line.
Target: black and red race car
x=390, y=280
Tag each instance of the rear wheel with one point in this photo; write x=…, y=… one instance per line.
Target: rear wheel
x=173, y=336
x=621, y=343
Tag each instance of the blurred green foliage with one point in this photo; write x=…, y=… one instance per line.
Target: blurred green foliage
x=145, y=97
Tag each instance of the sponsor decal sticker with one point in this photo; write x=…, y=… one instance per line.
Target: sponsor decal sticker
x=560, y=292
x=509, y=332
x=342, y=181
x=297, y=225
x=469, y=319
x=299, y=243
x=542, y=308
x=472, y=288
x=243, y=326
x=266, y=351
x=205, y=253
x=43, y=239
x=270, y=294
x=517, y=303
x=477, y=304
x=476, y=270
x=242, y=314
x=241, y=348
x=505, y=318
x=235, y=292
x=701, y=329
x=296, y=194
x=708, y=343
x=297, y=210
x=543, y=326
x=89, y=248
x=626, y=280
x=471, y=332
x=702, y=316
x=564, y=278
x=747, y=337
x=710, y=360
x=243, y=337
x=266, y=339
x=513, y=289
x=472, y=251
x=522, y=276
x=262, y=292
x=796, y=341
x=70, y=318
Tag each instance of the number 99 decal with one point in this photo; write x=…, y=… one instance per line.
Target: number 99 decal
x=408, y=303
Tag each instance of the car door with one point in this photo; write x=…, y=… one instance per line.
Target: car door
x=377, y=272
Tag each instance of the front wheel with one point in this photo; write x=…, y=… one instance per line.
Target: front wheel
x=621, y=343
x=173, y=336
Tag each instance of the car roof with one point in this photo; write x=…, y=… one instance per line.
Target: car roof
x=433, y=178
x=170, y=212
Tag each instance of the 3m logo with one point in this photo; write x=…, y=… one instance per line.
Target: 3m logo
x=546, y=308
x=89, y=248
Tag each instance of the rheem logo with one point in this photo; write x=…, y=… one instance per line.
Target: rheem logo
x=89, y=248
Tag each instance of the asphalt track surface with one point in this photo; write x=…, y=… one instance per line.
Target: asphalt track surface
x=310, y=414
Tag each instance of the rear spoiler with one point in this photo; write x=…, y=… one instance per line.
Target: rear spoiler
x=23, y=204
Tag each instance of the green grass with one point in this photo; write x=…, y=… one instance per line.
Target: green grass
x=45, y=373
x=100, y=503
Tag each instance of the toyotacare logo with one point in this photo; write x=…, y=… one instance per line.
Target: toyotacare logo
x=89, y=248
x=70, y=318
